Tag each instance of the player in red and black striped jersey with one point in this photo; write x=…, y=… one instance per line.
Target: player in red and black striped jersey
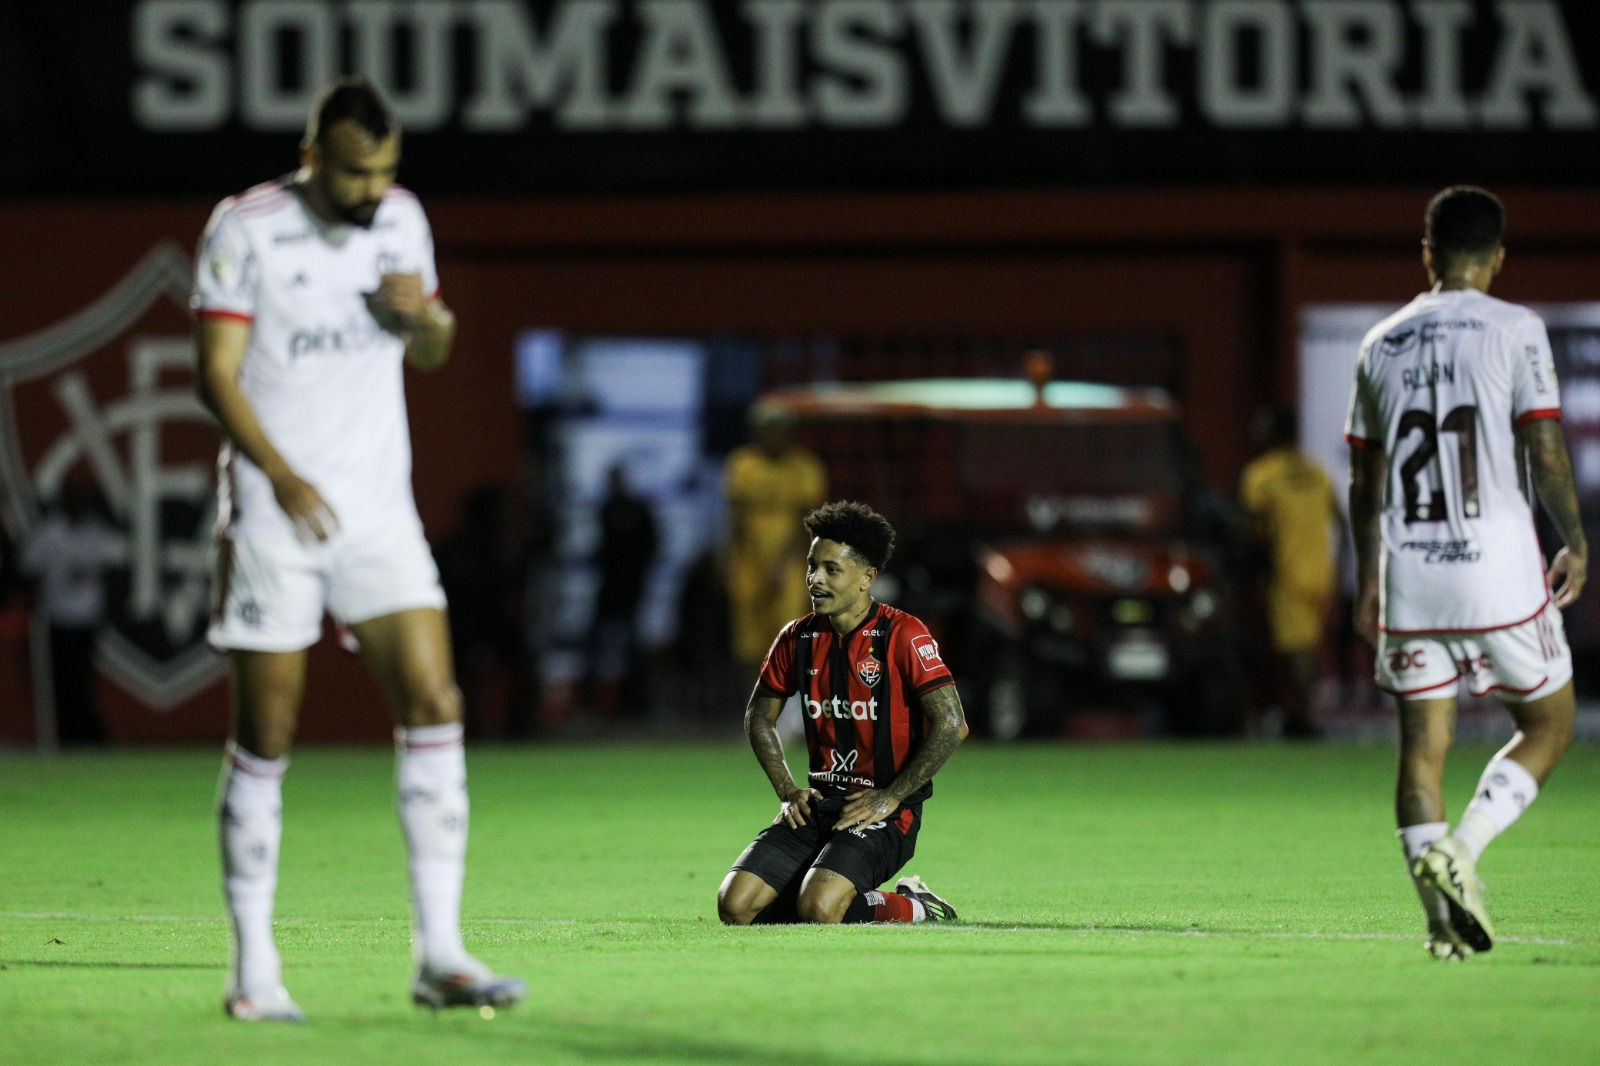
x=881, y=717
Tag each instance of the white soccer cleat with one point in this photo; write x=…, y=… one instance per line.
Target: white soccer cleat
x=269, y=1006
x=1448, y=866
x=470, y=984
x=1444, y=945
x=937, y=908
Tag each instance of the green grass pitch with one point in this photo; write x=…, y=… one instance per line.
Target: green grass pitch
x=1127, y=904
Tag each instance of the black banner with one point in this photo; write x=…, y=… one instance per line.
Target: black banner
x=199, y=97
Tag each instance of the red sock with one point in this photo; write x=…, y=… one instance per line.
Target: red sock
x=894, y=908
x=879, y=907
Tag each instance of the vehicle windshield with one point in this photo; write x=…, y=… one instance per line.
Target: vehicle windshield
x=1007, y=476
x=1126, y=458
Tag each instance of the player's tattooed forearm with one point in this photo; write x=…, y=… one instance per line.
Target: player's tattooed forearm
x=1551, y=467
x=943, y=709
x=761, y=729
x=767, y=745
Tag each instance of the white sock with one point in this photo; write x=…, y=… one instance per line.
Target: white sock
x=1504, y=791
x=250, y=823
x=431, y=784
x=1414, y=839
x=919, y=913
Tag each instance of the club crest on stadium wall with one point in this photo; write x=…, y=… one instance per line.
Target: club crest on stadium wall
x=869, y=670
x=107, y=396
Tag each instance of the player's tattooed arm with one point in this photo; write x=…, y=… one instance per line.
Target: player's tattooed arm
x=1551, y=467
x=1369, y=469
x=947, y=728
x=761, y=729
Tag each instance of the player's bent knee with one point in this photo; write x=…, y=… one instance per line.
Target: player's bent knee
x=728, y=910
x=741, y=898
x=731, y=914
x=817, y=908
x=1552, y=737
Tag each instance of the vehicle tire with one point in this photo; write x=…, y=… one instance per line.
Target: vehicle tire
x=1007, y=698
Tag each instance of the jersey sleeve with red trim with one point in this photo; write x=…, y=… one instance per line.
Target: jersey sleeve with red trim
x=917, y=660
x=1534, y=392
x=777, y=670
x=227, y=271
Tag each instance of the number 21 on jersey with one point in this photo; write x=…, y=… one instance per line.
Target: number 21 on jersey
x=1461, y=424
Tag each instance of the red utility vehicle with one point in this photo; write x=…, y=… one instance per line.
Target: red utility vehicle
x=1048, y=533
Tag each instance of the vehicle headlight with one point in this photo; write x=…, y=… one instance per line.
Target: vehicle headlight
x=1035, y=603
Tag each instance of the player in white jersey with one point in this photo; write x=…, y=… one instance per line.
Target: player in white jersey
x=1455, y=411
x=312, y=291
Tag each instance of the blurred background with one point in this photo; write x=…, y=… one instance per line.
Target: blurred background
x=1023, y=274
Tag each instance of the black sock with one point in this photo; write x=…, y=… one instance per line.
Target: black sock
x=858, y=912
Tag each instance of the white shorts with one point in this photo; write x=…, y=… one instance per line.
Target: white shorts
x=1519, y=663
x=269, y=595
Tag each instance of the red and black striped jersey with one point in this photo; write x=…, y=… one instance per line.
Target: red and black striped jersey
x=861, y=695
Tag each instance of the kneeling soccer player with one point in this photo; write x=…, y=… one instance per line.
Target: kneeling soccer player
x=881, y=717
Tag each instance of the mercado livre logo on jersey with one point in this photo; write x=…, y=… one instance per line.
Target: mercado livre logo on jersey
x=1399, y=343
x=107, y=396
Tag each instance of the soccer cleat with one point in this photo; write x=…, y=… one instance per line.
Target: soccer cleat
x=272, y=1006
x=1444, y=945
x=471, y=985
x=938, y=910
x=1447, y=865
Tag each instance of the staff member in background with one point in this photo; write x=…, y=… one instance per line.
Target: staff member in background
x=1294, y=513
x=771, y=484
x=67, y=558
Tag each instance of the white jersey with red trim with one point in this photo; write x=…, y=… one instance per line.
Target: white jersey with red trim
x=325, y=382
x=1441, y=386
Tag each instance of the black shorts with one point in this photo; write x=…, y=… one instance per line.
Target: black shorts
x=868, y=855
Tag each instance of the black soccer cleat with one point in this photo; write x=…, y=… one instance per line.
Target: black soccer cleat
x=936, y=907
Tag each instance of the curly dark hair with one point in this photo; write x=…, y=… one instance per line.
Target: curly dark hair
x=855, y=525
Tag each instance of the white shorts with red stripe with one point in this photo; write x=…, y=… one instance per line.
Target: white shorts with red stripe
x=271, y=593
x=1518, y=664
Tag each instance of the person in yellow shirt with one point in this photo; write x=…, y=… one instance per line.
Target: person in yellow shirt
x=1293, y=510
x=771, y=484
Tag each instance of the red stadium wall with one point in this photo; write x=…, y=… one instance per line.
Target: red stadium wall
x=1224, y=271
